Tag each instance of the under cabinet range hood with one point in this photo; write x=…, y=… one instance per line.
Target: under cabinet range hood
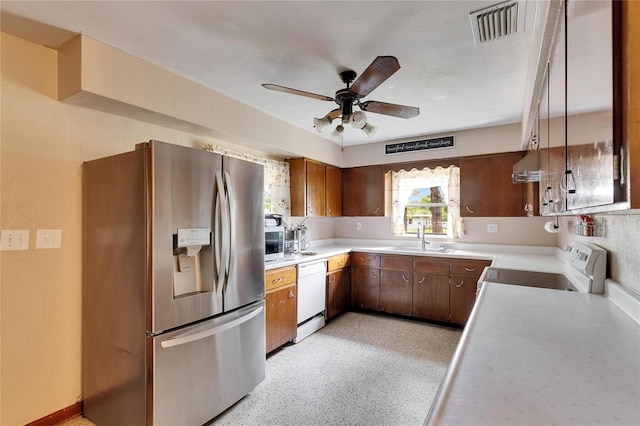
x=527, y=169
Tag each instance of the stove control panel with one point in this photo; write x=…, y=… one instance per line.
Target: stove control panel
x=590, y=260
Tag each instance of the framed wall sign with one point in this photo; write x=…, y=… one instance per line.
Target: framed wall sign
x=436, y=143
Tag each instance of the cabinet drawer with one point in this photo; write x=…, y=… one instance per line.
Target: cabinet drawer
x=278, y=277
x=338, y=262
x=366, y=259
x=431, y=265
x=399, y=263
x=469, y=268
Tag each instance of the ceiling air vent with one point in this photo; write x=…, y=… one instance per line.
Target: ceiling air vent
x=498, y=21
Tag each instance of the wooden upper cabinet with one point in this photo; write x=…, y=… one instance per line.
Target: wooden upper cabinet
x=333, y=191
x=363, y=191
x=315, y=188
x=486, y=186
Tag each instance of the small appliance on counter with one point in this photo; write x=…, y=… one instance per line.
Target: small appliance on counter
x=272, y=220
x=273, y=243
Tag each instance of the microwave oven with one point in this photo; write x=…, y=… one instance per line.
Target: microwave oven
x=273, y=242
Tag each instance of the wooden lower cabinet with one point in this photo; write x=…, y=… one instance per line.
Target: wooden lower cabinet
x=396, y=292
x=365, y=281
x=396, y=289
x=281, y=316
x=338, y=284
x=281, y=307
x=338, y=291
x=365, y=288
x=463, y=287
x=431, y=288
x=431, y=296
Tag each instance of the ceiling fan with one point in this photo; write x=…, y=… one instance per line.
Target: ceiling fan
x=380, y=69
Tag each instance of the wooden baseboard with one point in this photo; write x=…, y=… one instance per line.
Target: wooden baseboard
x=59, y=416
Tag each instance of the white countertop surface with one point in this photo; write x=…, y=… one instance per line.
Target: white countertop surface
x=539, y=356
x=543, y=259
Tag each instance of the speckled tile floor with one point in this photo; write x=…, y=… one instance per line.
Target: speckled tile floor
x=358, y=370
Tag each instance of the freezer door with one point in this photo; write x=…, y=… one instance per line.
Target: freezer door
x=201, y=370
x=183, y=288
x=245, y=276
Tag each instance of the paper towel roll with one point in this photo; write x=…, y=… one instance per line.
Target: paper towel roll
x=551, y=227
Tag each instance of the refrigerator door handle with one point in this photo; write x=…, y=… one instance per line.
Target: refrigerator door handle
x=187, y=338
x=222, y=228
x=231, y=206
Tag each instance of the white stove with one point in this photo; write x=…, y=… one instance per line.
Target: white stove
x=586, y=268
x=587, y=265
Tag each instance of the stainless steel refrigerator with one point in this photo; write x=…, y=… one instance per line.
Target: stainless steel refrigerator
x=173, y=284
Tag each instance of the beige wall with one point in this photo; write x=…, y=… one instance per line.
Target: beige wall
x=467, y=142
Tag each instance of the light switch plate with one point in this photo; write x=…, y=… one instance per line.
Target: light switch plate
x=14, y=239
x=492, y=227
x=48, y=238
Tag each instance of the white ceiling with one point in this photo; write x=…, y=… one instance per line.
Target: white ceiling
x=234, y=46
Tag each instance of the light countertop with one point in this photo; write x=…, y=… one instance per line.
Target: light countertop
x=543, y=259
x=539, y=356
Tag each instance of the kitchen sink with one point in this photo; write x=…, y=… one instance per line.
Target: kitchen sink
x=528, y=278
x=414, y=249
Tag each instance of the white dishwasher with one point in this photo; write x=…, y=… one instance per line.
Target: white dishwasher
x=311, y=298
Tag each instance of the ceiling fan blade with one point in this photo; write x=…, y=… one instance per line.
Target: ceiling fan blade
x=395, y=110
x=296, y=92
x=333, y=114
x=380, y=69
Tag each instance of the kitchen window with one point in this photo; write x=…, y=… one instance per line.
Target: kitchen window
x=429, y=197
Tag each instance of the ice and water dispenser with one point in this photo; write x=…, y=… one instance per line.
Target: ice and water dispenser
x=192, y=255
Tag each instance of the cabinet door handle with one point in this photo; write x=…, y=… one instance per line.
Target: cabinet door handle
x=329, y=211
x=460, y=285
x=291, y=295
x=405, y=278
x=422, y=279
x=361, y=259
x=469, y=210
x=373, y=274
x=376, y=210
x=332, y=279
x=340, y=263
x=469, y=269
x=276, y=280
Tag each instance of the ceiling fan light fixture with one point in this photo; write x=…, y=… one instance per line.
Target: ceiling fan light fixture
x=336, y=135
x=321, y=123
x=369, y=130
x=358, y=119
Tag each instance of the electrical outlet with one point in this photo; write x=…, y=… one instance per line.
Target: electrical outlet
x=358, y=226
x=492, y=227
x=48, y=238
x=14, y=239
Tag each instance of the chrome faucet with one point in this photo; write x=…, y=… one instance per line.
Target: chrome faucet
x=422, y=239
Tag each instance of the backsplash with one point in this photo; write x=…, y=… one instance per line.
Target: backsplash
x=276, y=179
x=621, y=239
x=511, y=230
